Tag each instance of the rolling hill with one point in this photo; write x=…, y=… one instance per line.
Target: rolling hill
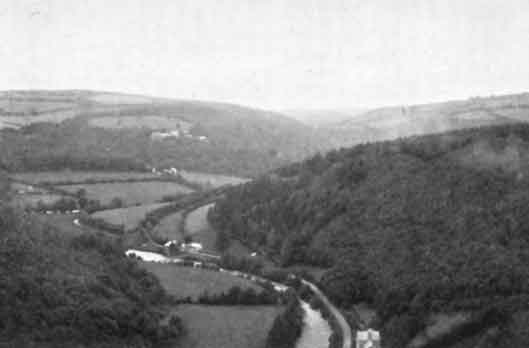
x=414, y=227
x=87, y=129
x=399, y=121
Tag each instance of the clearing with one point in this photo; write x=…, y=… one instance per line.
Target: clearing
x=140, y=121
x=128, y=217
x=169, y=228
x=182, y=282
x=129, y=192
x=63, y=176
x=211, y=180
x=227, y=326
x=197, y=226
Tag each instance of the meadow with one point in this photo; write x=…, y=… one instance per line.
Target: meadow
x=139, y=121
x=182, y=282
x=130, y=193
x=128, y=217
x=211, y=180
x=197, y=226
x=32, y=200
x=61, y=176
x=169, y=228
x=227, y=326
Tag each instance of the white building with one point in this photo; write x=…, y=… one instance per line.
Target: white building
x=368, y=339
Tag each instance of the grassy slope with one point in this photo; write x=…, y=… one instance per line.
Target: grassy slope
x=128, y=217
x=227, y=327
x=78, y=176
x=197, y=226
x=130, y=193
x=393, y=122
x=185, y=281
x=169, y=228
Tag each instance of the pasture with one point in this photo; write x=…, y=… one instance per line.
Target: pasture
x=32, y=200
x=128, y=217
x=169, y=228
x=197, y=226
x=131, y=193
x=21, y=121
x=140, y=121
x=182, y=282
x=211, y=180
x=226, y=326
x=63, y=176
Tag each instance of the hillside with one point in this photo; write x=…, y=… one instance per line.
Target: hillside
x=323, y=117
x=414, y=227
x=99, y=130
x=61, y=287
x=393, y=122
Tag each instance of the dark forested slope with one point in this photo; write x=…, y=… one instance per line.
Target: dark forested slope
x=414, y=226
x=60, y=290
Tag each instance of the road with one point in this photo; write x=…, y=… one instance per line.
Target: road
x=346, y=330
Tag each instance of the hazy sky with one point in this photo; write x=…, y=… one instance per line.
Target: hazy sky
x=269, y=53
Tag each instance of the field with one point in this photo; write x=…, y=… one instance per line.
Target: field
x=32, y=200
x=211, y=180
x=130, y=193
x=197, y=225
x=20, y=121
x=186, y=281
x=227, y=327
x=78, y=176
x=169, y=228
x=140, y=121
x=128, y=217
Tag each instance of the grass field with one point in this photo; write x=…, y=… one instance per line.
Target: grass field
x=211, y=180
x=143, y=121
x=169, y=228
x=186, y=281
x=226, y=326
x=20, y=121
x=128, y=217
x=197, y=226
x=32, y=200
x=78, y=176
x=130, y=193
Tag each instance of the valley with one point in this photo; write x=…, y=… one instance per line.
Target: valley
x=425, y=234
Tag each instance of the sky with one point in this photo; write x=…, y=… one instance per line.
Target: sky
x=291, y=54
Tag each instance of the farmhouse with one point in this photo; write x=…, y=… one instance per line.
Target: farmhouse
x=368, y=339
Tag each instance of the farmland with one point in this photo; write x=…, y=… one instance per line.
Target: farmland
x=128, y=217
x=63, y=176
x=32, y=200
x=140, y=121
x=197, y=226
x=227, y=327
x=211, y=180
x=169, y=228
x=182, y=282
x=130, y=193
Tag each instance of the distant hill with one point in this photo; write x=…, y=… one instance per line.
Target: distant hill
x=323, y=117
x=83, y=129
x=414, y=227
x=399, y=121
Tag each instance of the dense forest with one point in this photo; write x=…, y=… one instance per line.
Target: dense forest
x=414, y=226
x=74, y=290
